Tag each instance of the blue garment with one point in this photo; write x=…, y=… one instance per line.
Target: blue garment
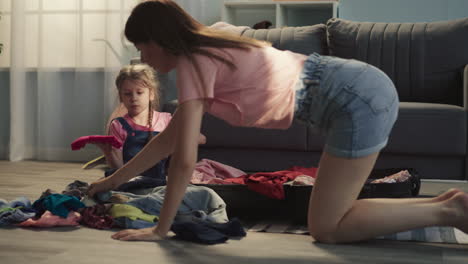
x=201, y=217
x=16, y=216
x=133, y=144
x=135, y=141
x=20, y=201
x=200, y=204
x=126, y=222
x=352, y=103
x=57, y=204
x=20, y=210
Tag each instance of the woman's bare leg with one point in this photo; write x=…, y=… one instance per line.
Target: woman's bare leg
x=441, y=197
x=335, y=216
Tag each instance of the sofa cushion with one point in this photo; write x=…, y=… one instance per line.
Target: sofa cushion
x=424, y=60
x=421, y=128
x=424, y=128
x=305, y=40
x=220, y=134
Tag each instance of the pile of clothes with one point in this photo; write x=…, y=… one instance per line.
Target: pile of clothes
x=201, y=218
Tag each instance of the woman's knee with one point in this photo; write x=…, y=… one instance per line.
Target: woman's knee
x=323, y=233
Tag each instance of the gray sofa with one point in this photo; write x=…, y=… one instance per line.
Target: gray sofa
x=426, y=61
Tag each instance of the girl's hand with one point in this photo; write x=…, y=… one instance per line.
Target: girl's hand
x=113, y=155
x=202, y=139
x=101, y=185
x=144, y=234
x=106, y=148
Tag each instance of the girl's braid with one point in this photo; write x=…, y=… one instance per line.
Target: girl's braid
x=150, y=121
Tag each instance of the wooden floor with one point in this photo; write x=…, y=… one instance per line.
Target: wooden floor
x=85, y=245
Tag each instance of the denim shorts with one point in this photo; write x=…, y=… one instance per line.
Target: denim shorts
x=352, y=103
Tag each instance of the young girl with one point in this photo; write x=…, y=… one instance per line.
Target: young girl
x=248, y=83
x=138, y=90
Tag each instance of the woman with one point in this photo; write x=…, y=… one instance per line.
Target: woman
x=248, y=83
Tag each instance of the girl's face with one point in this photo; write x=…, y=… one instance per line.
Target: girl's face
x=136, y=97
x=155, y=56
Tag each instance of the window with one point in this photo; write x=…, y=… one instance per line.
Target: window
x=65, y=33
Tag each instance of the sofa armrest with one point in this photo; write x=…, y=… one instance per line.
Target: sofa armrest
x=465, y=88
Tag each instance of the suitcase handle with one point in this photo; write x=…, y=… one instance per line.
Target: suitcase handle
x=415, y=182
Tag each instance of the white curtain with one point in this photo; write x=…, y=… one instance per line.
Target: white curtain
x=61, y=57
x=57, y=72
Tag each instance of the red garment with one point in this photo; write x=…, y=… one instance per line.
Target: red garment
x=82, y=141
x=270, y=184
x=97, y=217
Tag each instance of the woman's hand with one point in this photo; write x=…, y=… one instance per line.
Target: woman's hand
x=144, y=234
x=101, y=185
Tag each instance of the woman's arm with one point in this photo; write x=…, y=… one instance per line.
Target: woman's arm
x=188, y=122
x=183, y=161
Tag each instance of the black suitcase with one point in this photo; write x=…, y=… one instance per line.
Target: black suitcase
x=246, y=204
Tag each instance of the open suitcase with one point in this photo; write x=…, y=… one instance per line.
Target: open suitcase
x=246, y=204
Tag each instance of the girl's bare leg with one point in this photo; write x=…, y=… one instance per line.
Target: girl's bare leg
x=335, y=216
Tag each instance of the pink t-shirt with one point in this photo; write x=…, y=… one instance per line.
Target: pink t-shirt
x=260, y=93
x=159, y=123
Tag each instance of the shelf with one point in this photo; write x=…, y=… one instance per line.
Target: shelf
x=280, y=13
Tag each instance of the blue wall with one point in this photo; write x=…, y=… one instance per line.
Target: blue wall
x=402, y=10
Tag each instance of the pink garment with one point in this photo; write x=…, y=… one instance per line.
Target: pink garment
x=311, y=171
x=259, y=93
x=303, y=180
x=49, y=220
x=82, y=141
x=120, y=110
x=213, y=172
x=160, y=122
x=400, y=176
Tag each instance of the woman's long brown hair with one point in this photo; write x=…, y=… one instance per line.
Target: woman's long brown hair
x=168, y=25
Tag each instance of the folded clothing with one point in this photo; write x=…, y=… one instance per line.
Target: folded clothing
x=82, y=141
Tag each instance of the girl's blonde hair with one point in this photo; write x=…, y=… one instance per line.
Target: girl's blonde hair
x=144, y=74
x=169, y=26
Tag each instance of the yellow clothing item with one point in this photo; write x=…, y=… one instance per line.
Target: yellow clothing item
x=132, y=212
